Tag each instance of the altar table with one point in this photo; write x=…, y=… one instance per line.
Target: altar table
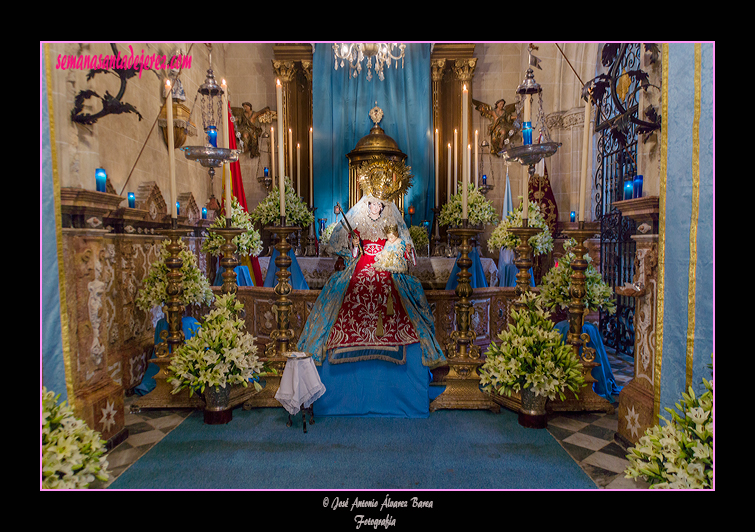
x=433, y=272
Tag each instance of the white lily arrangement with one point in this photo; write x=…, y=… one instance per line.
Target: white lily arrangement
x=531, y=354
x=221, y=353
x=73, y=455
x=554, y=288
x=501, y=237
x=196, y=287
x=267, y=212
x=678, y=455
x=479, y=209
x=419, y=236
x=326, y=234
x=247, y=243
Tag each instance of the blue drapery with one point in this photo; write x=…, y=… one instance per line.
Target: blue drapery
x=341, y=117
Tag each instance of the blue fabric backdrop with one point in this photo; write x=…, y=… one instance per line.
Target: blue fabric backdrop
x=687, y=250
x=341, y=117
x=53, y=362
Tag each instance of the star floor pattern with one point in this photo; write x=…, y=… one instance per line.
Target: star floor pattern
x=588, y=437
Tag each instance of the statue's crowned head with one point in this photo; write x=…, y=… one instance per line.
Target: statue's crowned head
x=391, y=229
x=384, y=179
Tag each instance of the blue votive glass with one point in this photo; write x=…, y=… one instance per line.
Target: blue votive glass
x=527, y=134
x=100, y=180
x=204, y=213
x=628, y=189
x=178, y=208
x=212, y=136
x=484, y=179
x=637, y=186
x=131, y=200
x=573, y=216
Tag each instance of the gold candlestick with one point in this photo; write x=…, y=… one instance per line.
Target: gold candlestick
x=587, y=399
x=229, y=260
x=173, y=337
x=523, y=260
x=283, y=335
x=463, y=382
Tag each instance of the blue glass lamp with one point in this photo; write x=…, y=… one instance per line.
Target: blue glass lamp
x=100, y=179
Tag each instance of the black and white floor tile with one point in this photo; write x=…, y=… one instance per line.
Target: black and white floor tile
x=588, y=437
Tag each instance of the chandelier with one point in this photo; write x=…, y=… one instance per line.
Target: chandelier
x=355, y=53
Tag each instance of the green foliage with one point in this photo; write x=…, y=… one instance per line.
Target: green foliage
x=267, y=212
x=247, y=243
x=501, y=237
x=531, y=354
x=479, y=209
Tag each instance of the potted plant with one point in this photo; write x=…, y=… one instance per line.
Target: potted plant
x=220, y=355
x=501, y=237
x=554, y=289
x=479, y=209
x=196, y=287
x=532, y=360
x=679, y=454
x=267, y=212
x=247, y=243
x=73, y=455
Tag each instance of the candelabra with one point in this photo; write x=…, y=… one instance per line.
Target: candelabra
x=282, y=335
x=463, y=382
x=586, y=399
x=229, y=260
x=523, y=260
x=173, y=337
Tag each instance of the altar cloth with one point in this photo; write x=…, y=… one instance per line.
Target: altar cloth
x=243, y=278
x=605, y=383
x=297, y=280
x=376, y=388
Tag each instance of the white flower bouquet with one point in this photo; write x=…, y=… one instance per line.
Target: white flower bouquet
x=479, y=209
x=73, y=455
x=247, y=243
x=554, y=289
x=326, y=234
x=679, y=454
x=220, y=353
x=501, y=237
x=267, y=212
x=419, y=236
x=196, y=287
x=531, y=354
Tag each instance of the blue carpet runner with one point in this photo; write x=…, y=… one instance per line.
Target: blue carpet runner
x=450, y=450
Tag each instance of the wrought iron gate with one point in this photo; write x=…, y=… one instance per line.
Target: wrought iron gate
x=616, y=160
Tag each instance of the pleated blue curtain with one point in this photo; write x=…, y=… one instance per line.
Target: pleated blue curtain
x=341, y=106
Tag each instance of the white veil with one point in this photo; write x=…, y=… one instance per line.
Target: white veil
x=368, y=228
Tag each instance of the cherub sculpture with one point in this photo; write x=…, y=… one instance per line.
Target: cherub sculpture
x=504, y=128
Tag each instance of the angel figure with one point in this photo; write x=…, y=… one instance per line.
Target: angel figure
x=247, y=124
x=504, y=128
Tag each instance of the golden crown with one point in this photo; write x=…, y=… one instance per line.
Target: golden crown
x=390, y=228
x=383, y=178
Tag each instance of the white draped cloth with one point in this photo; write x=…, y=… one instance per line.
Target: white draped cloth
x=300, y=383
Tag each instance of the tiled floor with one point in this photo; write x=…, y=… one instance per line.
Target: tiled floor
x=587, y=437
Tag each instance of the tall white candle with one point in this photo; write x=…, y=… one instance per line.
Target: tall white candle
x=465, y=156
x=226, y=144
x=476, y=158
x=456, y=161
x=437, y=174
x=281, y=159
x=272, y=152
x=449, y=173
x=526, y=192
x=311, y=172
x=291, y=153
x=585, y=158
x=298, y=169
x=171, y=147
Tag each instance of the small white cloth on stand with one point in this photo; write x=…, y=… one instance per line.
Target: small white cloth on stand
x=300, y=384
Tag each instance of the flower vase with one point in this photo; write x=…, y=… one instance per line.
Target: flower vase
x=532, y=413
x=217, y=410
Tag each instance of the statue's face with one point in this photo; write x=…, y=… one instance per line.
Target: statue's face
x=375, y=207
x=392, y=237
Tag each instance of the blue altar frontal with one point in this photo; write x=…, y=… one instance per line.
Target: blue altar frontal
x=376, y=388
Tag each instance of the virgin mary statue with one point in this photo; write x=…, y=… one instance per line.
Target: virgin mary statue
x=371, y=330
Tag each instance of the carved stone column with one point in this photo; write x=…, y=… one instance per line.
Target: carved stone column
x=636, y=400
